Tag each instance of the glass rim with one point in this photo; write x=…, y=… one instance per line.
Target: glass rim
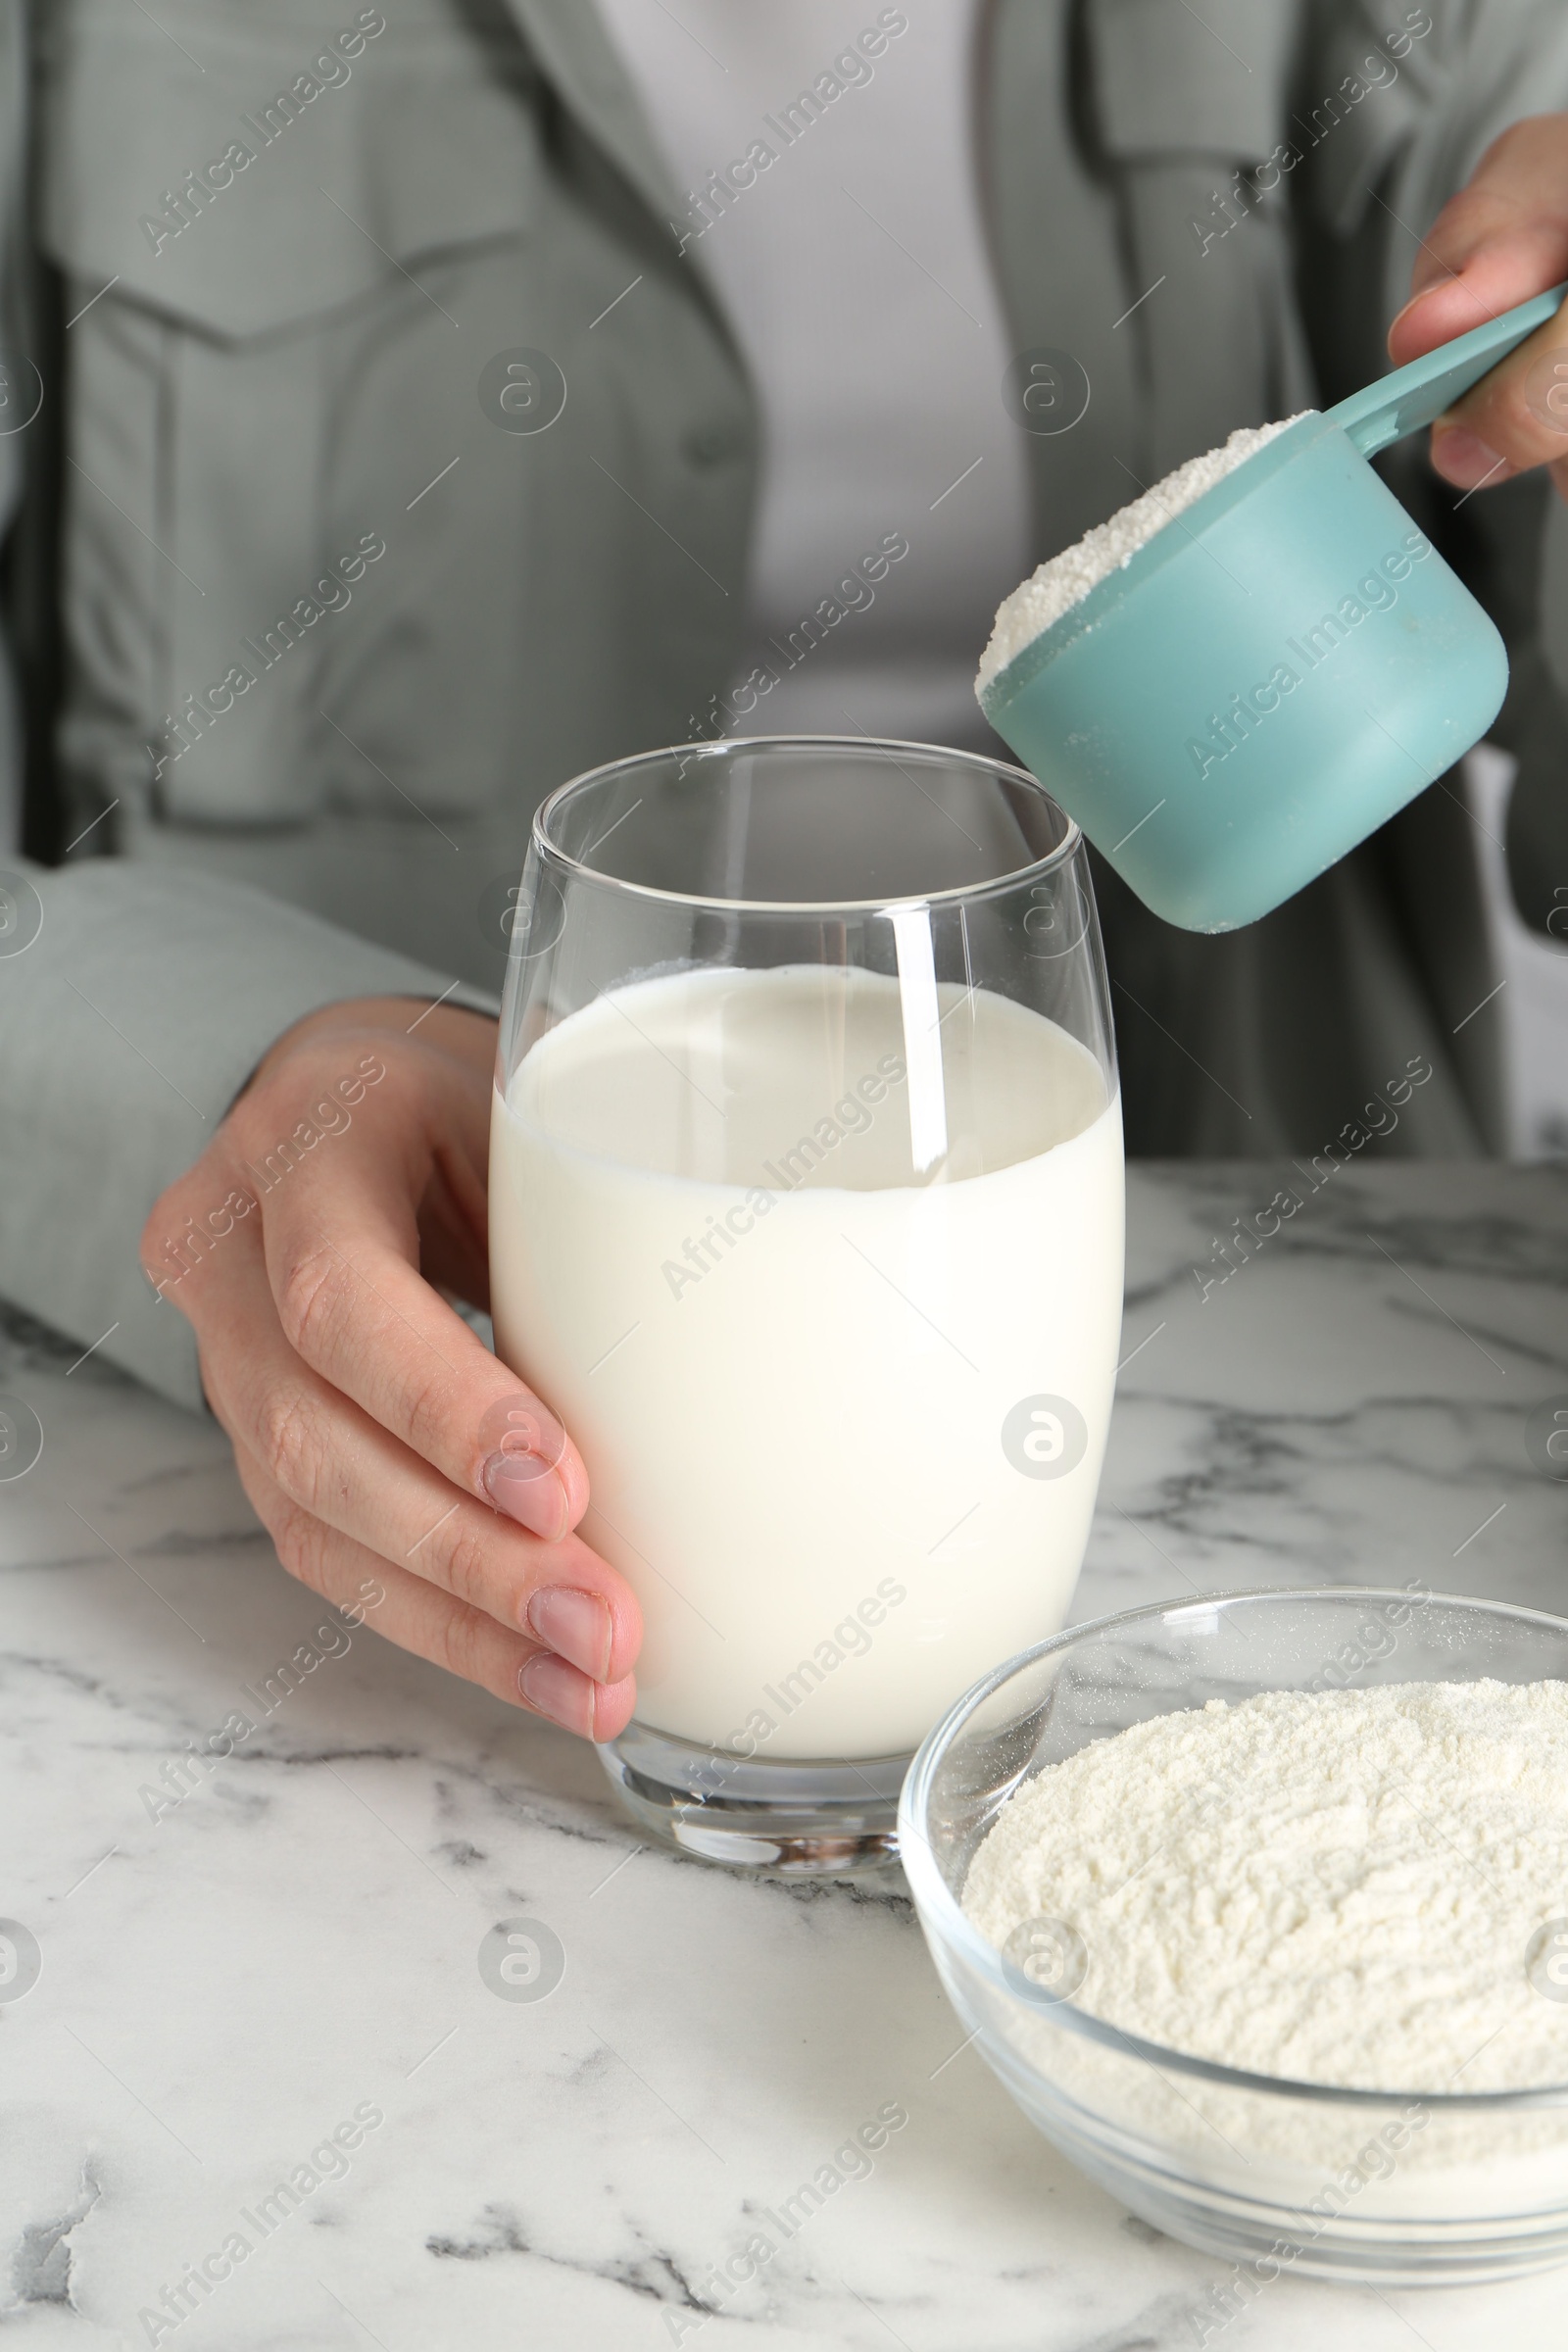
x=726, y=745
x=943, y=1918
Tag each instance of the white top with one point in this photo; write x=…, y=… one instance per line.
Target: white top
x=853, y=266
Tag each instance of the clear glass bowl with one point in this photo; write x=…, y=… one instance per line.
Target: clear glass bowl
x=1281, y=2177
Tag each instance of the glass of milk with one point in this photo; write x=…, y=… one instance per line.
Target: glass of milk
x=805, y=1217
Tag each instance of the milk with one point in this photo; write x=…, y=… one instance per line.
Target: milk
x=802, y=1370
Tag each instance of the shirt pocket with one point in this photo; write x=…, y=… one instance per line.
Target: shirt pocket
x=1168, y=83
x=259, y=214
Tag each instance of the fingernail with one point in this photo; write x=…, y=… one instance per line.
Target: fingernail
x=1411, y=304
x=558, y=1690
x=519, y=1424
x=1463, y=458
x=575, y=1625
x=528, y=1491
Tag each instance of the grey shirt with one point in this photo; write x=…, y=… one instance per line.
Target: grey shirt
x=334, y=627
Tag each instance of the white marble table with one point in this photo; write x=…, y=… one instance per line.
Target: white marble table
x=297, y=1939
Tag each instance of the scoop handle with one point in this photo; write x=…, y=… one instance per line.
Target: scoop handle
x=1410, y=397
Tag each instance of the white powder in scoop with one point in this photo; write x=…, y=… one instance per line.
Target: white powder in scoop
x=1066, y=579
x=1351, y=1887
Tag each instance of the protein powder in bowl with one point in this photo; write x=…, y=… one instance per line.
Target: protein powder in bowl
x=1258, y=1907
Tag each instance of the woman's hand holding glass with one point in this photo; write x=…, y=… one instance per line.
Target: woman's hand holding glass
x=386, y=1451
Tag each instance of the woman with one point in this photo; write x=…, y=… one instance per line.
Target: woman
x=461, y=392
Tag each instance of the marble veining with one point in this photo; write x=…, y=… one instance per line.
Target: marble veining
x=242, y=1957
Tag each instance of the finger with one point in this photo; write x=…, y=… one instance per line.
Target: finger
x=342, y=1255
x=1515, y=418
x=417, y=1616
x=1514, y=261
x=340, y=1467
x=1501, y=240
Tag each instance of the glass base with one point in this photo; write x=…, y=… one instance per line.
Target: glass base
x=824, y=1817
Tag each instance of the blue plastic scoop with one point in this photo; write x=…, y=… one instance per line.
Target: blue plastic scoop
x=1285, y=664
